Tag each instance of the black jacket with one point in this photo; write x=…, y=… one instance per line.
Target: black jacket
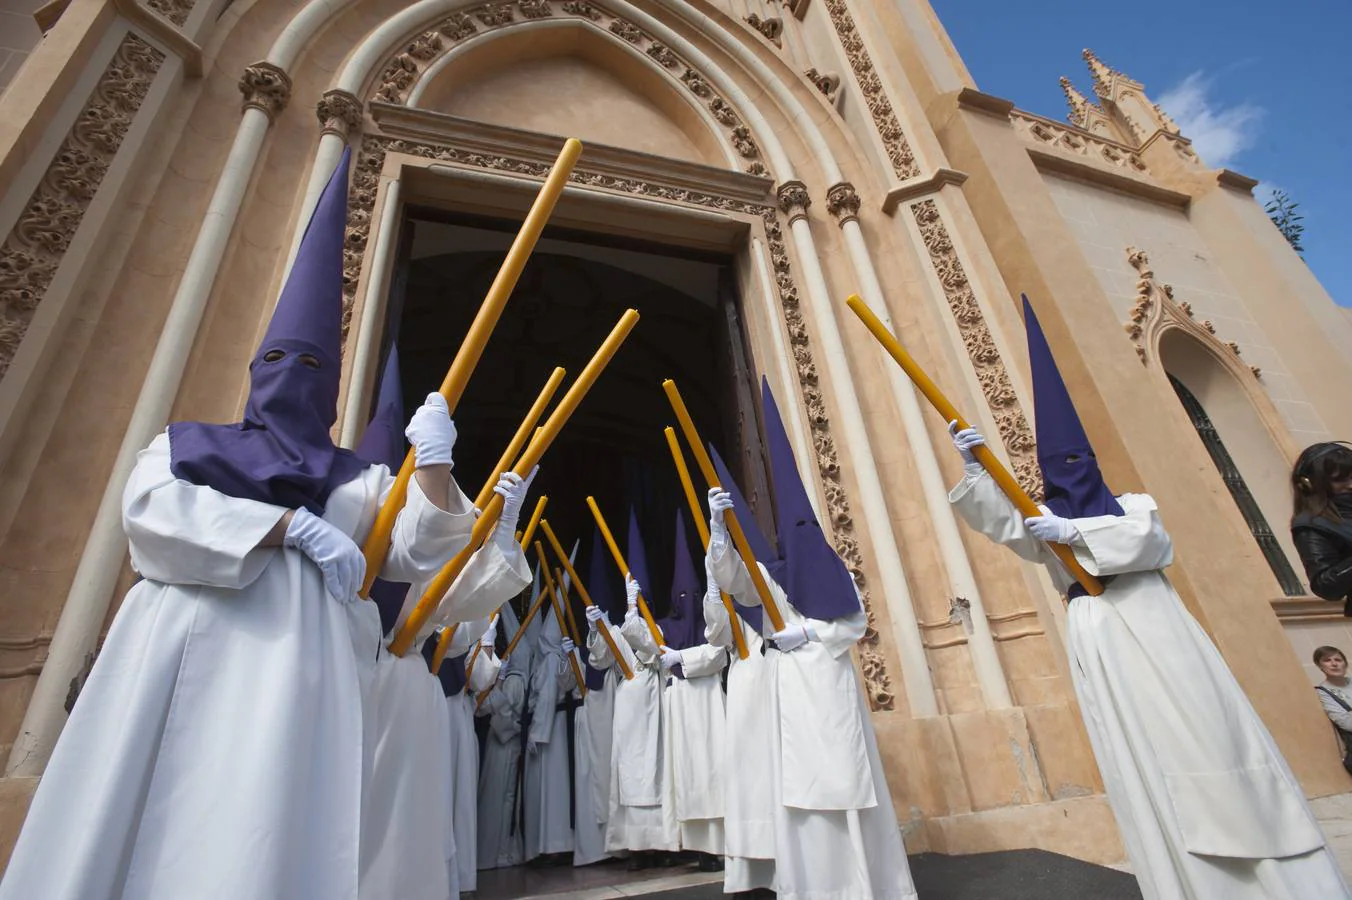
x=1325, y=549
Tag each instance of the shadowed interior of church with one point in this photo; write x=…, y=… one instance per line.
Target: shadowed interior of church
x=569, y=296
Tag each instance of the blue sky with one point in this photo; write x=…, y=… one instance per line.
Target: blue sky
x=1258, y=89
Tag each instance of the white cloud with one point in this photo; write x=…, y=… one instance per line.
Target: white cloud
x=1219, y=133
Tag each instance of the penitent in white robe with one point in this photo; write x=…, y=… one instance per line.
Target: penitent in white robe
x=216, y=750
x=641, y=815
x=836, y=834
x=749, y=805
x=696, y=737
x=464, y=760
x=500, y=837
x=591, y=790
x=407, y=843
x=548, y=792
x=1206, y=804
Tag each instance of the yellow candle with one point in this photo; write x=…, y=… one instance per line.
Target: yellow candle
x=558, y=614
x=624, y=570
x=524, y=538
x=582, y=592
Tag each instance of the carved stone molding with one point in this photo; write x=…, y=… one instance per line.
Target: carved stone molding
x=828, y=84
x=34, y=249
x=980, y=344
x=265, y=87
x=1156, y=311
x=1077, y=141
x=770, y=28
x=885, y=118
x=402, y=72
x=842, y=201
x=361, y=202
x=793, y=200
x=339, y=112
x=175, y=11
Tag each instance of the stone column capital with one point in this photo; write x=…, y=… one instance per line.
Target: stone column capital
x=793, y=200
x=266, y=87
x=842, y=201
x=339, y=112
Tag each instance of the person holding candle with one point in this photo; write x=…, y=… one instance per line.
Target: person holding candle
x=500, y=831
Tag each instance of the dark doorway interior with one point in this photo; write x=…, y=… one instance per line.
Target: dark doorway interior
x=570, y=295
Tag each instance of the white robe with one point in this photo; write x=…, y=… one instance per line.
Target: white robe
x=591, y=753
x=696, y=736
x=1206, y=804
x=500, y=840
x=836, y=834
x=749, y=804
x=547, y=788
x=464, y=768
x=641, y=815
x=407, y=843
x=216, y=749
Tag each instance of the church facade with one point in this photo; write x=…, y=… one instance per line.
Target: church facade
x=158, y=161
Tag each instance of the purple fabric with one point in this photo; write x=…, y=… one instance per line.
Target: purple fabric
x=281, y=453
x=815, y=577
x=452, y=672
x=684, y=626
x=760, y=544
x=637, y=557
x=595, y=679
x=383, y=444
x=1073, y=483
x=602, y=582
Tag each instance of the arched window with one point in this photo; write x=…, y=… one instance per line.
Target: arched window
x=1239, y=491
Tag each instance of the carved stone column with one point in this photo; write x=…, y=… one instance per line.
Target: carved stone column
x=793, y=200
x=842, y=201
x=266, y=87
x=340, y=113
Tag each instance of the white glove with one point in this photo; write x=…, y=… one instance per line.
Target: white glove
x=339, y=559
x=670, y=657
x=631, y=592
x=1052, y=529
x=432, y=433
x=513, y=489
x=967, y=440
x=594, y=615
x=720, y=501
x=489, y=637
x=568, y=646
x=791, y=637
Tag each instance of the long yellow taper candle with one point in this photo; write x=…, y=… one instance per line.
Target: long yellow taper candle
x=558, y=614
x=472, y=347
x=544, y=437
x=706, y=467
x=624, y=570
x=696, y=512
x=582, y=592
x=1016, y=494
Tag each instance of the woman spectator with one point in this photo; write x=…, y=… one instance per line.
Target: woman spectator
x=1335, y=693
x=1322, y=524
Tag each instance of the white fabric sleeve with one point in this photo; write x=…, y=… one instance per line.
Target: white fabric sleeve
x=490, y=579
x=183, y=533
x=425, y=537
x=485, y=672
x=703, y=660
x=1135, y=542
x=839, y=635
x=985, y=508
x=467, y=634
x=636, y=633
x=717, y=626
x=730, y=572
x=598, y=651
x=1337, y=715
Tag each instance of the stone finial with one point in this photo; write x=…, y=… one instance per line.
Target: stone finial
x=1103, y=75
x=1078, y=103
x=266, y=87
x=842, y=201
x=339, y=113
x=793, y=200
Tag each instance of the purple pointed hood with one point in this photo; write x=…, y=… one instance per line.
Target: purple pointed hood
x=637, y=557
x=601, y=587
x=760, y=544
x=815, y=577
x=282, y=453
x=1073, y=484
x=684, y=626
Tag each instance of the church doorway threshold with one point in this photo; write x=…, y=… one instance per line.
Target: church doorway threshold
x=600, y=881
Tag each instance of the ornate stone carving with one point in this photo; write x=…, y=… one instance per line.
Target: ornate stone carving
x=827, y=84
x=361, y=201
x=175, y=11
x=793, y=200
x=899, y=151
x=402, y=72
x=339, y=113
x=842, y=201
x=34, y=249
x=1156, y=311
x=265, y=87
x=980, y=345
x=1077, y=141
x=770, y=28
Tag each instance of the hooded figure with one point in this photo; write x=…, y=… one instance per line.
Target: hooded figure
x=760, y=545
x=834, y=836
x=695, y=725
x=595, y=720
x=221, y=609
x=550, y=768
x=500, y=833
x=1207, y=811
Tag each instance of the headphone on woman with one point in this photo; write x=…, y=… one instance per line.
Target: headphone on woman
x=1305, y=468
